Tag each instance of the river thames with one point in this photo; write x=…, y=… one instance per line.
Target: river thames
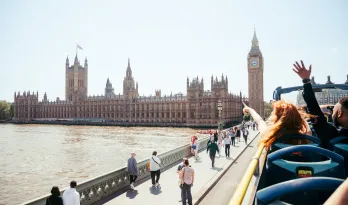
x=36, y=157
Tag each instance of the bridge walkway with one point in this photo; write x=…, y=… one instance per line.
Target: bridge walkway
x=169, y=192
x=222, y=192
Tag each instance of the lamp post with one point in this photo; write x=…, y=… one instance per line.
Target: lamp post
x=219, y=108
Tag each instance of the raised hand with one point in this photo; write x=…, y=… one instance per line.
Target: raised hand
x=246, y=109
x=302, y=71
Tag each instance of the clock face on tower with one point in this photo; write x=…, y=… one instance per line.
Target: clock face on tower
x=254, y=63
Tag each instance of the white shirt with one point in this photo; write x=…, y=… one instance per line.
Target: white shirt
x=228, y=139
x=153, y=165
x=71, y=197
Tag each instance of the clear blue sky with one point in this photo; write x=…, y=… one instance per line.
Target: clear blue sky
x=168, y=41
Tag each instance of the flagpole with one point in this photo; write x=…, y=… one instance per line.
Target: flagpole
x=76, y=50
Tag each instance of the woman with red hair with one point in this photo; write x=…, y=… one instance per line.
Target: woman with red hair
x=285, y=119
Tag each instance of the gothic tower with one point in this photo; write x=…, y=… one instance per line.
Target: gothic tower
x=255, y=77
x=76, y=80
x=130, y=91
x=109, y=90
x=219, y=88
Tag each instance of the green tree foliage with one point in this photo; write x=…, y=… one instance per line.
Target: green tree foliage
x=12, y=110
x=4, y=110
x=268, y=109
x=247, y=117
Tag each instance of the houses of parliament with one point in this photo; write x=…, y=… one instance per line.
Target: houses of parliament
x=197, y=108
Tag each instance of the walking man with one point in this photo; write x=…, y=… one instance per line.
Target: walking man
x=212, y=148
x=227, y=142
x=233, y=137
x=245, y=135
x=155, y=169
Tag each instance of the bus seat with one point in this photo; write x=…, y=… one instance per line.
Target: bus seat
x=306, y=191
x=339, y=145
x=281, y=143
x=280, y=170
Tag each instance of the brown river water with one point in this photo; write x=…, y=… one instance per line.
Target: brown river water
x=36, y=157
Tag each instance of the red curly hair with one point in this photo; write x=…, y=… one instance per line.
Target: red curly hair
x=285, y=119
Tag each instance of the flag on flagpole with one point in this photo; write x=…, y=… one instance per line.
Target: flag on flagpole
x=79, y=47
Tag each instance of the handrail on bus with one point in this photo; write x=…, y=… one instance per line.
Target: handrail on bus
x=242, y=188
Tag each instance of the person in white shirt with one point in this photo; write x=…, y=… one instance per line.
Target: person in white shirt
x=155, y=169
x=228, y=142
x=71, y=196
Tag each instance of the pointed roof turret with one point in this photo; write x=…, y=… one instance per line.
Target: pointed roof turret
x=129, y=71
x=76, y=61
x=108, y=81
x=255, y=42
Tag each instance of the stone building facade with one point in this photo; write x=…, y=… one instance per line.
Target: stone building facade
x=255, y=77
x=198, y=107
x=327, y=96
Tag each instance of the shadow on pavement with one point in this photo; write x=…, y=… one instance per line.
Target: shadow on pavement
x=131, y=194
x=155, y=190
x=217, y=168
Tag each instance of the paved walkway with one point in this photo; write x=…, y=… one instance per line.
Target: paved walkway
x=231, y=178
x=169, y=192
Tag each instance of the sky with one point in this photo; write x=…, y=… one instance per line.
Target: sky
x=168, y=41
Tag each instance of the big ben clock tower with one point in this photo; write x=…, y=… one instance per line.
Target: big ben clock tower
x=255, y=77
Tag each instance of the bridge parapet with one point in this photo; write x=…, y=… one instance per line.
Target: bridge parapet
x=112, y=182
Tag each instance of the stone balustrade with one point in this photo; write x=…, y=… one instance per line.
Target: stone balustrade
x=102, y=186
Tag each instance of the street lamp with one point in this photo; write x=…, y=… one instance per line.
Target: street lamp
x=219, y=108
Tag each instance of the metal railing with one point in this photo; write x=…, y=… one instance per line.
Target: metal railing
x=253, y=169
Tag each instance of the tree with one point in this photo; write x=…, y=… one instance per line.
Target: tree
x=12, y=110
x=4, y=110
x=267, y=109
x=247, y=117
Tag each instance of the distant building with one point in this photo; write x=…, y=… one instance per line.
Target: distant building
x=199, y=107
x=327, y=96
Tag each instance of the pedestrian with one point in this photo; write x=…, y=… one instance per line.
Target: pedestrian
x=238, y=133
x=245, y=135
x=233, y=136
x=227, y=142
x=155, y=169
x=215, y=136
x=194, y=147
x=55, y=198
x=178, y=171
x=71, y=196
x=212, y=148
x=132, y=170
x=210, y=137
x=188, y=178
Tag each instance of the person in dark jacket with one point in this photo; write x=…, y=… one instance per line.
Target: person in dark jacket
x=212, y=148
x=55, y=198
x=323, y=129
